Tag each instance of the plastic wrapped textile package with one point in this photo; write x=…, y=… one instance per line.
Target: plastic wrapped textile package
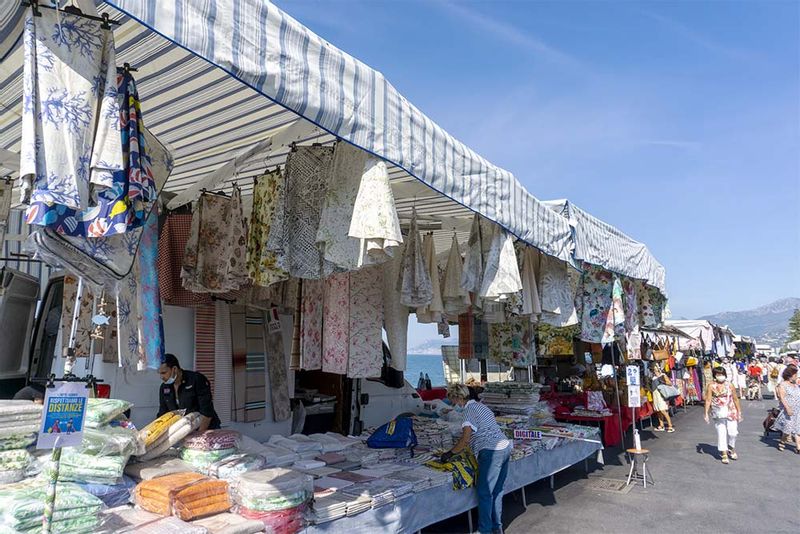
x=158, y=467
x=18, y=410
x=288, y=521
x=185, y=495
x=78, y=467
x=213, y=440
x=236, y=464
x=126, y=520
x=22, y=508
x=201, y=460
x=155, y=429
x=110, y=441
x=330, y=507
x=100, y=412
x=229, y=524
x=174, y=435
x=272, y=489
x=18, y=441
x=14, y=465
x=463, y=467
x=112, y=495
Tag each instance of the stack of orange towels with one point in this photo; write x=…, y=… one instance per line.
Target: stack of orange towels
x=185, y=495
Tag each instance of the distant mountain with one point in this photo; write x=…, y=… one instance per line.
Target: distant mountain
x=768, y=324
x=433, y=347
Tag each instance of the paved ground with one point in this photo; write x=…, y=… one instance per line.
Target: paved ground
x=694, y=491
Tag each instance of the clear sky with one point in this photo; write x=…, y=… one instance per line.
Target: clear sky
x=677, y=122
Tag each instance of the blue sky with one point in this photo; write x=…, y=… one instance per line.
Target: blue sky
x=678, y=122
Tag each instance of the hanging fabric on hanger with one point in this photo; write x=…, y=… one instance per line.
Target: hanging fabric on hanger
x=631, y=304
x=557, y=291
x=455, y=299
x=215, y=256
x=366, y=321
x=395, y=318
x=375, y=222
x=338, y=209
x=128, y=336
x=151, y=326
x=431, y=313
x=336, y=323
x=615, y=320
x=171, y=249
x=472, y=274
x=414, y=282
x=69, y=106
x=262, y=264
x=276, y=366
x=501, y=277
x=597, y=301
x=645, y=304
x=311, y=325
x=293, y=236
x=256, y=368
x=531, y=305
x=223, y=362
x=512, y=342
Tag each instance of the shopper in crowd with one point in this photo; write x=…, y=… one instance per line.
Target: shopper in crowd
x=741, y=381
x=481, y=433
x=774, y=375
x=781, y=369
x=660, y=404
x=186, y=390
x=788, y=421
x=764, y=371
x=722, y=405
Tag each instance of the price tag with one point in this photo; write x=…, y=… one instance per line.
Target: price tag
x=63, y=414
x=274, y=323
x=527, y=434
x=634, y=397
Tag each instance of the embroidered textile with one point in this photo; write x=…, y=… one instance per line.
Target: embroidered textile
x=336, y=322
x=395, y=313
x=70, y=113
x=501, y=277
x=366, y=320
x=414, y=282
x=455, y=299
x=375, y=223
x=333, y=240
x=216, y=251
x=311, y=325
x=557, y=291
x=472, y=274
x=261, y=263
x=432, y=313
x=293, y=235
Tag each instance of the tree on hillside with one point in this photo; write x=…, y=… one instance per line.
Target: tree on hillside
x=794, y=326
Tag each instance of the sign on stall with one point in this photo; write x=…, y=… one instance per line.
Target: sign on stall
x=527, y=434
x=632, y=372
x=634, y=397
x=63, y=415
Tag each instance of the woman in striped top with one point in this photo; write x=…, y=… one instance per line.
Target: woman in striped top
x=483, y=435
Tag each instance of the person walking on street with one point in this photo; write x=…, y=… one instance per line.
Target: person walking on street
x=722, y=405
x=774, y=374
x=788, y=421
x=660, y=404
x=489, y=444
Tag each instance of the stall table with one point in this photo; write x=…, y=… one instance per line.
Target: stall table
x=611, y=432
x=433, y=505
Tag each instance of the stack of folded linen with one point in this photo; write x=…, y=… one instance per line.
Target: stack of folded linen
x=229, y=524
x=90, y=469
x=19, y=424
x=511, y=397
x=319, y=472
x=352, y=476
x=279, y=456
x=308, y=464
x=201, y=460
x=14, y=464
x=400, y=488
x=112, y=495
x=330, y=483
x=418, y=478
x=167, y=431
x=278, y=497
x=212, y=440
x=358, y=504
x=330, y=508
x=185, y=495
x=347, y=465
x=328, y=442
x=379, y=491
x=100, y=412
x=287, y=521
x=159, y=467
x=297, y=443
x=438, y=478
x=127, y=520
x=22, y=508
x=363, y=454
x=331, y=458
x=236, y=464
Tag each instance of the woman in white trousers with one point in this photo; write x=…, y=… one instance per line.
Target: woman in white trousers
x=722, y=405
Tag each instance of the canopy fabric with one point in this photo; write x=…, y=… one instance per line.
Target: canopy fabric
x=601, y=244
x=700, y=330
x=216, y=78
x=793, y=345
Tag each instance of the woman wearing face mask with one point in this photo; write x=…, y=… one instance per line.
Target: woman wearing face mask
x=722, y=404
x=788, y=421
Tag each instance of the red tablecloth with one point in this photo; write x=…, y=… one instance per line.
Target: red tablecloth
x=612, y=434
x=432, y=394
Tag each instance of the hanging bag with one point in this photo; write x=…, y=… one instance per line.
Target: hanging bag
x=396, y=434
x=668, y=392
x=661, y=353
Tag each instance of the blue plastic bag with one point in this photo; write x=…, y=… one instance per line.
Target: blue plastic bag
x=396, y=434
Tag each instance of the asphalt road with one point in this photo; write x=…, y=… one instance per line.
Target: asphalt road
x=694, y=491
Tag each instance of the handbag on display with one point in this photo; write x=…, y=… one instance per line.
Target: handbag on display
x=661, y=353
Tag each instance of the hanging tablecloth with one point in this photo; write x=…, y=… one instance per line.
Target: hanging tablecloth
x=455, y=299
x=531, y=305
x=151, y=326
x=336, y=321
x=431, y=313
x=472, y=273
x=70, y=113
x=557, y=291
x=395, y=313
x=366, y=321
x=501, y=278
x=6, y=191
x=615, y=320
x=597, y=300
x=375, y=223
x=311, y=325
x=414, y=282
x=261, y=263
x=338, y=208
x=223, y=362
x=512, y=343
x=293, y=236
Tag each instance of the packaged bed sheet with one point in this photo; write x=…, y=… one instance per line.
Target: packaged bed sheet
x=185, y=495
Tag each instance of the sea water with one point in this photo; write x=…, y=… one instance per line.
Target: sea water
x=421, y=363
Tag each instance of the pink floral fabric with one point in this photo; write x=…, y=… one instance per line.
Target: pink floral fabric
x=597, y=287
x=366, y=320
x=311, y=325
x=336, y=321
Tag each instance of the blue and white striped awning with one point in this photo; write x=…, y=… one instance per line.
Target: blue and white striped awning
x=601, y=244
x=218, y=76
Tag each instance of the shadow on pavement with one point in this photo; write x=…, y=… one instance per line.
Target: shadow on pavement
x=705, y=448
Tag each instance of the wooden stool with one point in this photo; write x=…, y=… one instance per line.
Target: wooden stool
x=638, y=457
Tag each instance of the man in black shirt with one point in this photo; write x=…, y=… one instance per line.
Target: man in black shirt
x=186, y=390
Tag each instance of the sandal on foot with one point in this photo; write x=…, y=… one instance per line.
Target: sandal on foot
x=725, y=459
x=733, y=456
x=658, y=429
x=781, y=446
x=670, y=429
